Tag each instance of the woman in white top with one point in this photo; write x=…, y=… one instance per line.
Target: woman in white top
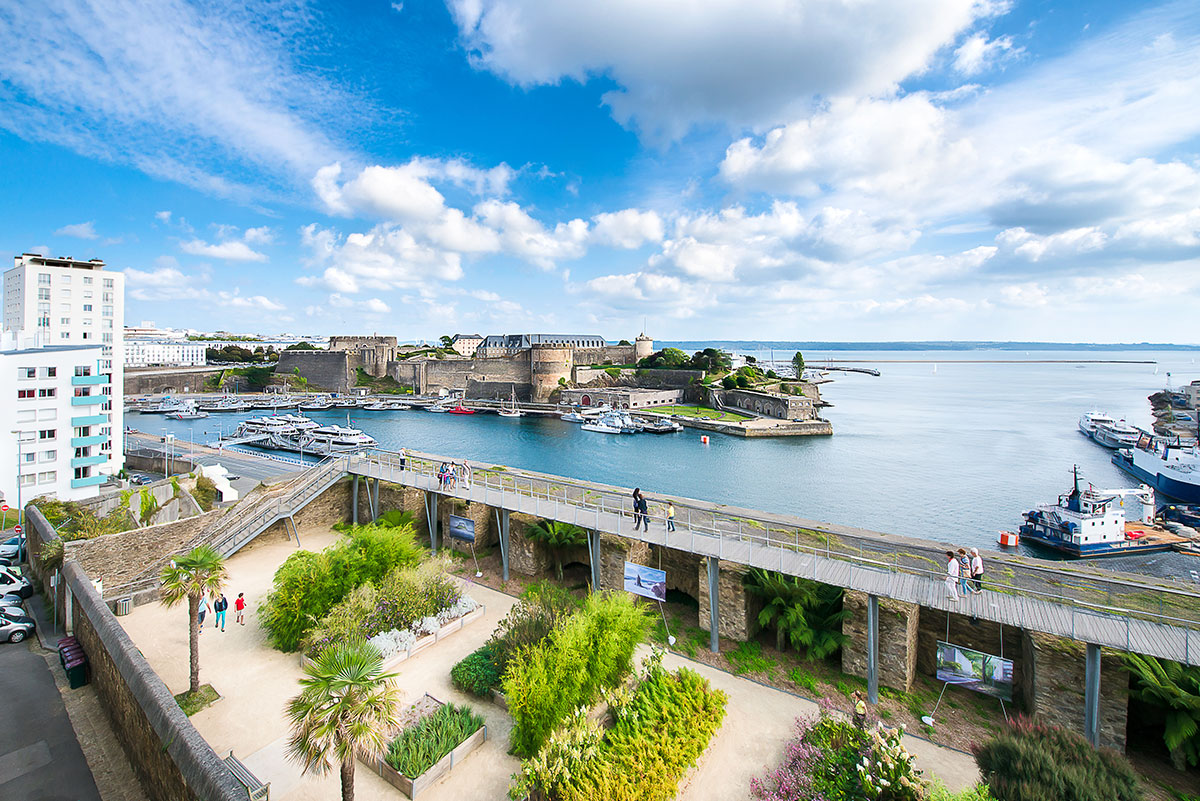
x=977, y=571
x=952, y=574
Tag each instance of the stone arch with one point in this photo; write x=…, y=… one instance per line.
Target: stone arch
x=586, y=400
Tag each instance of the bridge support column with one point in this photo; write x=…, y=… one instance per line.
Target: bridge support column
x=502, y=535
x=593, y=546
x=375, y=502
x=1091, y=695
x=873, y=649
x=714, y=605
x=354, y=502
x=431, y=519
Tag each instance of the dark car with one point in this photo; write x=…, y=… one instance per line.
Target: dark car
x=15, y=628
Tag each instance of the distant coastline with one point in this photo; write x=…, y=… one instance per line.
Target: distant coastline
x=932, y=345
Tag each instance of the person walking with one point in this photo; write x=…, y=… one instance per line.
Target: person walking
x=637, y=508
x=239, y=606
x=952, y=570
x=645, y=510
x=202, y=611
x=860, y=710
x=403, y=459
x=219, y=606
x=670, y=516
x=964, y=572
x=977, y=571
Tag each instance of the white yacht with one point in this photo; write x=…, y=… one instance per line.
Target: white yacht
x=225, y=405
x=188, y=411
x=323, y=440
x=275, y=424
x=1118, y=434
x=299, y=422
x=1090, y=420
x=617, y=421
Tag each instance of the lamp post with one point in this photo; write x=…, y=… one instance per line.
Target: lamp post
x=168, y=443
x=20, y=509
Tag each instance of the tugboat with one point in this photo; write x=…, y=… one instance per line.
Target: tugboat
x=1091, y=523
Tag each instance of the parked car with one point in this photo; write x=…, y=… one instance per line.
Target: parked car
x=15, y=628
x=11, y=599
x=13, y=549
x=14, y=583
x=141, y=480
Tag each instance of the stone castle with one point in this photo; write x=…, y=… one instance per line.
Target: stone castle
x=531, y=365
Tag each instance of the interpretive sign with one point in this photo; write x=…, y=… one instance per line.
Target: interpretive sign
x=462, y=528
x=646, y=581
x=975, y=670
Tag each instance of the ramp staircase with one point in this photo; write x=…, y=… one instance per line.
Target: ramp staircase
x=247, y=521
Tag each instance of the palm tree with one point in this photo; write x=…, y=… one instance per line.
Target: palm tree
x=806, y=614
x=1175, y=688
x=347, y=705
x=192, y=576
x=556, y=536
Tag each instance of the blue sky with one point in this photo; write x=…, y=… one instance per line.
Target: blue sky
x=936, y=169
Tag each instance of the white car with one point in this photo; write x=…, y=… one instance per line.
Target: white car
x=14, y=627
x=13, y=582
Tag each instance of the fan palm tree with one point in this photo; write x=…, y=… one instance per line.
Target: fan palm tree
x=1175, y=688
x=556, y=536
x=190, y=577
x=347, y=705
x=805, y=614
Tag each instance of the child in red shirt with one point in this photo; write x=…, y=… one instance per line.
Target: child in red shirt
x=239, y=606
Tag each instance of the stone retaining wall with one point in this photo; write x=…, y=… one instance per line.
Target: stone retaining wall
x=737, y=608
x=1054, y=686
x=898, y=628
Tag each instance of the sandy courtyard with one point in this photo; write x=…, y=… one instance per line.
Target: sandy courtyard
x=256, y=682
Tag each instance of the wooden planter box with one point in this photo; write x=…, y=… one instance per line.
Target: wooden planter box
x=412, y=787
x=498, y=698
x=426, y=641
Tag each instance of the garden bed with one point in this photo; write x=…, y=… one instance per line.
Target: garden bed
x=414, y=786
x=424, y=642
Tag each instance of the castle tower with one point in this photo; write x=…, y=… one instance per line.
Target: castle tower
x=643, y=346
x=547, y=364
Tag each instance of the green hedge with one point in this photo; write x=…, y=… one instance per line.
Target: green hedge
x=592, y=650
x=657, y=736
x=477, y=672
x=307, y=585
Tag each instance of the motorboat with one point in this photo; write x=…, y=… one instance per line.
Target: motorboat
x=460, y=409
x=617, y=421
x=1118, y=434
x=1166, y=464
x=323, y=440
x=438, y=408
x=316, y=406
x=1091, y=522
x=165, y=406
x=661, y=426
x=225, y=405
x=573, y=417
x=188, y=412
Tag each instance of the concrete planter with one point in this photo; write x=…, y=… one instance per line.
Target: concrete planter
x=498, y=698
x=414, y=786
x=426, y=641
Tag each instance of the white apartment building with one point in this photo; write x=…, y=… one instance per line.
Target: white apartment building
x=64, y=301
x=147, y=352
x=50, y=401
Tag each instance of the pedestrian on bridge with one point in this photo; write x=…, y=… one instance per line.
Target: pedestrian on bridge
x=952, y=575
x=219, y=606
x=977, y=571
x=964, y=573
x=637, y=508
x=670, y=515
x=644, y=508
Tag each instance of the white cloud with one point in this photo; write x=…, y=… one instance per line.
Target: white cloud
x=232, y=250
x=725, y=61
x=978, y=53
x=1032, y=247
x=260, y=302
x=198, y=93
x=386, y=257
x=523, y=236
x=83, y=230
x=259, y=236
x=376, y=306
x=163, y=217
x=628, y=229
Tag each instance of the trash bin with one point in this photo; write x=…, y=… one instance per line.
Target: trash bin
x=123, y=606
x=77, y=672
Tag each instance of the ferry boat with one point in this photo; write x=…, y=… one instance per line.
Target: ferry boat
x=285, y=424
x=323, y=440
x=1092, y=523
x=225, y=405
x=1172, y=468
x=1118, y=434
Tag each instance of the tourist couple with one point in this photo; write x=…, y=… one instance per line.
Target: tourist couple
x=964, y=572
x=641, y=512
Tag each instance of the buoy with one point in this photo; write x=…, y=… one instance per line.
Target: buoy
x=704, y=439
x=1010, y=539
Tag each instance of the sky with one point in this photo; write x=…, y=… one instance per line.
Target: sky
x=775, y=169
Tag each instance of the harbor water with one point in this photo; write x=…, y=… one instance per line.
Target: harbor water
x=948, y=445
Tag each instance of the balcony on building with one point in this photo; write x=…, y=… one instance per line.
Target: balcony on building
x=88, y=380
x=88, y=400
x=83, y=442
x=84, y=461
x=88, y=481
x=90, y=420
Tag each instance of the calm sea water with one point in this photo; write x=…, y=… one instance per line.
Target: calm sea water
x=953, y=454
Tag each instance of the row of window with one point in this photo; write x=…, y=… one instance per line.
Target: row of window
x=47, y=477
x=107, y=297
x=34, y=372
x=44, y=280
x=45, y=392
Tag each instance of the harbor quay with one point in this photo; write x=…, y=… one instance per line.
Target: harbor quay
x=1064, y=627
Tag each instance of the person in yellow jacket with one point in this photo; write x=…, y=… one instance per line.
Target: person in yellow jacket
x=860, y=710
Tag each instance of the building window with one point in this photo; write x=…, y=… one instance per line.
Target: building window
x=51, y=372
x=28, y=457
x=44, y=308
x=49, y=392
x=64, y=279
x=86, y=335
x=28, y=480
x=80, y=453
x=87, y=307
x=87, y=295
x=87, y=280
x=43, y=294
x=106, y=337
x=43, y=279
x=106, y=311
x=23, y=394
x=47, y=434
x=26, y=416
x=83, y=472
x=49, y=456
x=108, y=296
x=64, y=335
x=108, y=283
x=83, y=370
x=64, y=321
x=27, y=372
x=82, y=431
x=82, y=392
x=64, y=293
x=108, y=324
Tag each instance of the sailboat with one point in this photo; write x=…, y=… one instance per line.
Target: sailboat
x=512, y=411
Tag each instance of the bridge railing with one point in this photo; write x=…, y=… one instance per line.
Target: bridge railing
x=721, y=532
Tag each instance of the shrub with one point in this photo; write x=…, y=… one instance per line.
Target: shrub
x=830, y=758
x=476, y=673
x=1034, y=761
x=806, y=614
x=403, y=598
x=149, y=505
x=541, y=607
x=743, y=382
x=729, y=382
x=592, y=650
x=748, y=657
x=804, y=679
x=1173, y=688
x=979, y=792
x=307, y=585
x=419, y=747
x=205, y=492
x=661, y=732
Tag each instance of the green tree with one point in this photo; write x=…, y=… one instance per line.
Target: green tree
x=805, y=614
x=302, y=346
x=446, y=341
x=346, y=705
x=743, y=382
x=665, y=359
x=729, y=382
x=298, y=380
x=556, y=536
x=798, y=363
x=1175, y=688
x=190, y=577
x=711, y=360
